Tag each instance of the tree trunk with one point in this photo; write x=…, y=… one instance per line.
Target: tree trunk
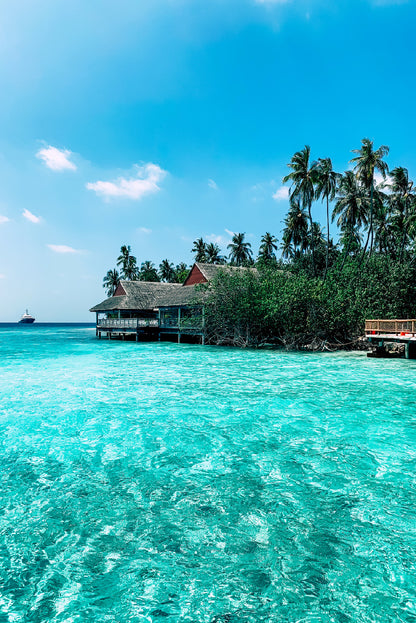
x=404, y=233
x=312, y=241
x=370, y=229
x=346, y=252
x=327, y=243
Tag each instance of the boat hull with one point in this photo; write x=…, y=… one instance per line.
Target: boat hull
x=27, y=321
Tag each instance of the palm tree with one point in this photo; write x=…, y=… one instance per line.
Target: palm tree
x=350, y=240
x=130, y=270
x=111, y=281
x=213, y=254
x=127, y=262
x=326, y=187
x=295, y=234
x=148, y=272
x=167, y=271
x=181, y=272
x=288, y=250
x=268, y=247
x=351, y=207
x=240, y=251
x=384, y=235
x=367, y=161
x=402, y=196
x=303, y=178
x=199, y=249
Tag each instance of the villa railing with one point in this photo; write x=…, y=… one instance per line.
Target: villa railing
x=132, y=324
x=128, y=323
x=390, y=327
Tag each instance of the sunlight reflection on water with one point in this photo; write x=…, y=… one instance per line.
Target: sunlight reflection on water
x=157, y=482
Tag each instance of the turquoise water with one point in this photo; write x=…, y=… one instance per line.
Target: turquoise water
x=157, y=482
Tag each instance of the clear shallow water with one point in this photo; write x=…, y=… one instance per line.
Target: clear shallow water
x=157, y=482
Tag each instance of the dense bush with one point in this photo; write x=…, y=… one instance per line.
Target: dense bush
x=295, y=309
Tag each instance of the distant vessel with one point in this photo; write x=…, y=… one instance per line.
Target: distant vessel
x=27, y=318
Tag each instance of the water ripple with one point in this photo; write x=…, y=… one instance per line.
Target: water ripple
x=157, y=482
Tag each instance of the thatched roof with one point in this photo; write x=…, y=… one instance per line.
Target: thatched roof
x=149, y=295
x=210, y=270
x=145, y=295
x=186, y=295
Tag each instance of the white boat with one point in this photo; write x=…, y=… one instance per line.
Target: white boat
x=27, y=318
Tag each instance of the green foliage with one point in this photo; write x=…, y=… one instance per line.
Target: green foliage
x=181, y=272
x=295, y=308
x=111, y=281
x=148, y=272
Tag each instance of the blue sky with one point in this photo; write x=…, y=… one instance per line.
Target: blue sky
x=154, y=123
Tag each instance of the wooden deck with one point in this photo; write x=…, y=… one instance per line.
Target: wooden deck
x=151, y=328
x=379, y=332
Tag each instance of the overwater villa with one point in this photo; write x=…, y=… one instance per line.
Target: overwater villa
x=157, y=311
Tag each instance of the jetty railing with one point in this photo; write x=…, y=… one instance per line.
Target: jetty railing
x=390, y=327
x=128, y=323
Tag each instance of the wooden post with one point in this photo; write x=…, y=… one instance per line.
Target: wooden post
x=179, y=325
x=203, y=325
x=410, y=350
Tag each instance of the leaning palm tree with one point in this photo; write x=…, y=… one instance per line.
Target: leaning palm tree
x=240, y=251
x=326, y=187
x=295, y=233
x=148, y=272
x=199, y=249
x=303, y=178
x=167, y=271
x=367, y=161
x=351, y=207
x=213, y=254
x=111, y=281
x=268, y=247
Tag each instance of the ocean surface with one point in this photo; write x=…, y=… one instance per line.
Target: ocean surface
x=164, y=482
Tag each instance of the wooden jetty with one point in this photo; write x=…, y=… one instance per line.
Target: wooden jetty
x=382, y=332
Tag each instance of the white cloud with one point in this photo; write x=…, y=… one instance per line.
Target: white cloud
x=281, y=194
x=146, y=182
x=62, y=248
x=213, y=185
x=144, y=230
x=2, y=276
x=217, y=239
x=3, y=219
x=56, y=159
x=31, y=217
x=229, y=232
x=379, y=180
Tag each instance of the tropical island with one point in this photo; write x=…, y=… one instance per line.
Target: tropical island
x=327, y=280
